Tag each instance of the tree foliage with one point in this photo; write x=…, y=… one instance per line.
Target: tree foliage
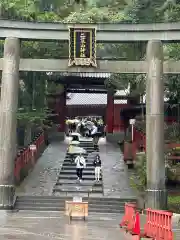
x=92, y=11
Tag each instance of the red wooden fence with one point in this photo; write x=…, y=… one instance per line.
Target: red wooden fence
x=27, y=157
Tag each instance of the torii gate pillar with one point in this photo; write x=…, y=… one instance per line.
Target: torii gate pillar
x=8, y=120
x=156, y=190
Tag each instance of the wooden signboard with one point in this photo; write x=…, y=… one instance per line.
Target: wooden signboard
x=82, y=47
x=33, y=147
x=76, y=209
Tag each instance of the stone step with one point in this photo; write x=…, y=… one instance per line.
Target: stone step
x=89, y=149
x=86, y=146
x=89, y=163
x=88, y=159
x=88, y=155
x=78, y=185
x=79, y=190
x=65, y=168
x=52, y=203
x=73, y=165
x=74, y=177
x=62, y=209
x=83, y=195
x=62, y=205
x=76, y=154
x=84, y=183
x=91, y=154
x=73, y=171
x=98, y=200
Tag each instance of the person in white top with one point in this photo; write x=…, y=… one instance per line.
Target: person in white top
x=94, y=136
x=80, y=165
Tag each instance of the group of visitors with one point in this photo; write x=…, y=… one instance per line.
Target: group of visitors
x=81, y=164
x=85, y=125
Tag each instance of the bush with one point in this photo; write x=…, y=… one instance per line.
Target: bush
x=174, y=204
x=139, y=180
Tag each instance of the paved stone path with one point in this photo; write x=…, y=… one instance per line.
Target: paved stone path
x=43, y=177
x=47, y=226
x=115, y=173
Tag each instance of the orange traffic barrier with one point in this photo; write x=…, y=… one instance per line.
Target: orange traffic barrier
x=130, y=211
x=158, y=225
x=134, y=226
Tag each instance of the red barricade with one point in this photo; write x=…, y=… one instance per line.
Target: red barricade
x=158, y=225
x=130, y=211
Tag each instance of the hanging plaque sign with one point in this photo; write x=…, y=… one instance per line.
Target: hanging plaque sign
x=82, y=47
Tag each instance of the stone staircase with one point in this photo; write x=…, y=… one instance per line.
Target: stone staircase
x=53, y=203
x=67, y=187
x=67, y=183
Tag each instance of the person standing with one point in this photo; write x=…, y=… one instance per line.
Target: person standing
x=71, y=153
x=97, y=165
x=94, y=135
x=80, y=165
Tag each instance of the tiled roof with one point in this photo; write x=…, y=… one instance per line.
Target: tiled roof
x=83, y=74
x=90, y=99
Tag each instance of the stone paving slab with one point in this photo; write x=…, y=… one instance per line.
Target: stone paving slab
x=45, y=226
x=43, y=177
x=115, y=172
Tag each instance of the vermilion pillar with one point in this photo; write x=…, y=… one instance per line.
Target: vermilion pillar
x=110, y=111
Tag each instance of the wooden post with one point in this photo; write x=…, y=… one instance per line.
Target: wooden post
x=110, y=111
x=156, y=190
x=8, y=120
x=62, y=111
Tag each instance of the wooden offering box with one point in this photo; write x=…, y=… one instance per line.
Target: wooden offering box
x=76, y=209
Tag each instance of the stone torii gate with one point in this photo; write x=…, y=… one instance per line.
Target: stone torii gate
x=11, y=64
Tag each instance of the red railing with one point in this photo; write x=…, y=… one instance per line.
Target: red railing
x=158, y=223
x=27, y=156
x=139, y=142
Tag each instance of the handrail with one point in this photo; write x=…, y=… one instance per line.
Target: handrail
x=26, y=156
